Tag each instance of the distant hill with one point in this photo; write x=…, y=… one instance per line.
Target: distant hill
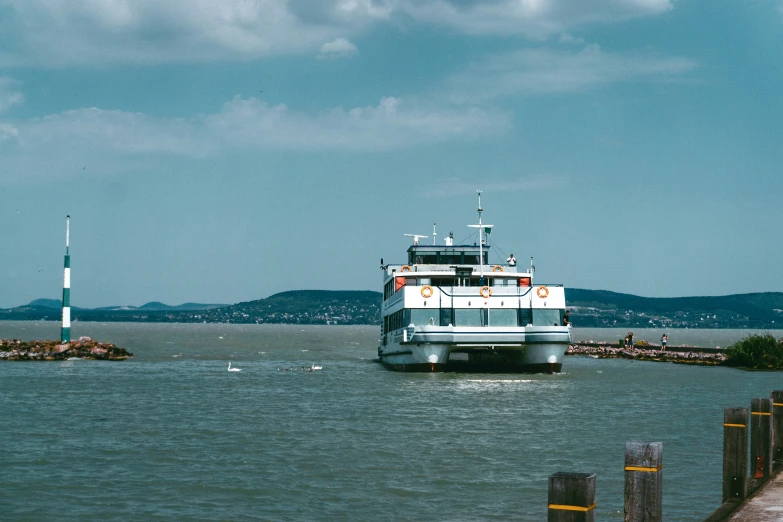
x=589, y=308
x=608, y=309
x=47, y=303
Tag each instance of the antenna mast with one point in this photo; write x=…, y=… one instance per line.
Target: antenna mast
x=481, y=227
x=481, y=239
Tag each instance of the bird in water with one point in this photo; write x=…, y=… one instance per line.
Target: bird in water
x=233, y=369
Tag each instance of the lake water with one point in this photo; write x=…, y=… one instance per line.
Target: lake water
x=172, y=434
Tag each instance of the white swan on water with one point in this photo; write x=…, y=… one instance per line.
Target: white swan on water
x=233, y=369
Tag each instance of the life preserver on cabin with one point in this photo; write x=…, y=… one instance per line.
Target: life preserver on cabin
x=497, y=268
x=405, y=268
x=542, y=292
x=426, y=291
x=485, y=291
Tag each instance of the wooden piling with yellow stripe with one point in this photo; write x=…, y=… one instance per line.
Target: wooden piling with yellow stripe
x=777, y=425
x=760, y=438
x=644, y=481
x=735, y=453
x=571, y=497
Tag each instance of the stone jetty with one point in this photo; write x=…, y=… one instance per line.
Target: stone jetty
x=647, y=352
x=84, y=348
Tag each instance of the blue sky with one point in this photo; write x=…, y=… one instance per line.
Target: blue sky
x=628, y=145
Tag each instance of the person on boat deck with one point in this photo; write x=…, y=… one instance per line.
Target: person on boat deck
x=512, y=261
x=566, y=320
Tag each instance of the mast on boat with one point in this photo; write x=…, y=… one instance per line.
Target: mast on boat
x=481, y=227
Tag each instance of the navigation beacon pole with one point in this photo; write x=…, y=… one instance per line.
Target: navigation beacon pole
x=65, y=334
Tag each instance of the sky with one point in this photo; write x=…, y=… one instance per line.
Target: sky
x=219, y=151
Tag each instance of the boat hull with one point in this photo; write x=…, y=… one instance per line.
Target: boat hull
x=484, y=350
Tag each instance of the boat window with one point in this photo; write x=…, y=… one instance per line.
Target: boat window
x=446, y=317
x=503, y=317
x=547, y=316
x=449, y=258
x=442, y=281
x=420, y=316
x=469, y=317
x=426, y=259
x=393, y=321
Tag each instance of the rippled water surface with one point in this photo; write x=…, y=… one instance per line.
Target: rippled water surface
x=172, y=434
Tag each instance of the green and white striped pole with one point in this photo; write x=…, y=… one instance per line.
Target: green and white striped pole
x=65, y=335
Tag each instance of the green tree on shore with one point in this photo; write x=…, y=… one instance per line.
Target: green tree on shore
x=758, y=352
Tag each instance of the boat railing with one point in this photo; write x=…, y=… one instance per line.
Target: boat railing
x=467, y=291
x=488, y=269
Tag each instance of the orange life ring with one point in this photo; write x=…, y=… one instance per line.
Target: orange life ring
x=405, y=268
x=426, y=291
x=485, y=291
x=542, y=292
x=497, y=268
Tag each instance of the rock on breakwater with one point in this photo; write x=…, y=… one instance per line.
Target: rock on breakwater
x=674, y=354
x=84, y=348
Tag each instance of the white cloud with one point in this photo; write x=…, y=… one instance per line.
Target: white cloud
x=246, y=124
x=455, y=187
x=533, y=18
x=78, y=32
x=8, y=131
x=546, y=71
x=571, y=39
x=337, y=48
x=57, y=33
x=8, y=95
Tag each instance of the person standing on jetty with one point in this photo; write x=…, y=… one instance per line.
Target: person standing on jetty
x=629, y=340
x=664, y=340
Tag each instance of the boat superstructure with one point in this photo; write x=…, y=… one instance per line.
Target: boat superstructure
x=449, y=309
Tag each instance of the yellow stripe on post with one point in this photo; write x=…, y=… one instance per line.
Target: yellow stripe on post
x=736, y=425
x=638, y=468
x=572, y=508
x=777, y=403
x=760, y=413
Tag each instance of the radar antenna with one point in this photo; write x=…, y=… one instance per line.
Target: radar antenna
x=416, y=238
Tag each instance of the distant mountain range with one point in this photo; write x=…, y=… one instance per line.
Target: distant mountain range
x=154, y=305
x=589, y=308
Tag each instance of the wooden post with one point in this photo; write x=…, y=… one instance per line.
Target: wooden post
x=735, y=453
x=643, y=481
x=571, y=497
x=777, y=425
x=760, y=443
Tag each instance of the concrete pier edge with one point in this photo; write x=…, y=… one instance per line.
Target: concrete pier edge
x=732, y=509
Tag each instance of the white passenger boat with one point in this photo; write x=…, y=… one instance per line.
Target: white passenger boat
x=449, y=309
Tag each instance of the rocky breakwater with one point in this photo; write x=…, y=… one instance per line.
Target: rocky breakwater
x=646, y=352
x=84, y=348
